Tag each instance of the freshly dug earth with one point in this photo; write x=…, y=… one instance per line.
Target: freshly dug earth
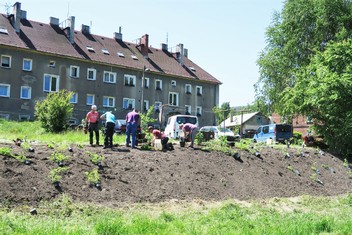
x=133, y=175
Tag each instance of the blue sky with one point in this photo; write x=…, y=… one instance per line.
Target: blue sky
x=224, y=37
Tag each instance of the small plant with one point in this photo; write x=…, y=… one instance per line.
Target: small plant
x=55, y=174
x=80, y=146
x=5, y=151
x=290, y=168
x=51, y=146
x=146, y=147
x=93, y=177
x=199, y=138
x=59, y=157
x=21, y=157
x=95, y=158
x=345, y=162
x=326, y=167
x=314, y=177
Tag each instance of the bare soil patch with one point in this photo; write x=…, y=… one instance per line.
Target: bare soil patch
x=132, y=175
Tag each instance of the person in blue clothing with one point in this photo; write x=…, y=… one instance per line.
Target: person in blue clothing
x=110, y=122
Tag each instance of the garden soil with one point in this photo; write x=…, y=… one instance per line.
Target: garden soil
x=133, y=175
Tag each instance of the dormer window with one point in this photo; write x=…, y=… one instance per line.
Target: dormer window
x=91, y=49
x=192, y=68
x=134, y=57
x=105, y=51
x=120, y=54
x=3, y=30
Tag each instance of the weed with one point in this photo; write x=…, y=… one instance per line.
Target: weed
x=93, y=176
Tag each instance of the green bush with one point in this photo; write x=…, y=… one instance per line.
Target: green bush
x=54, y=111
x=297, y=137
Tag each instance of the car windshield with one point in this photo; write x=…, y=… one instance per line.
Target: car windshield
x=225, y=130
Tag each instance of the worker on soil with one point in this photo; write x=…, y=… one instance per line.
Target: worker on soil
x=92, y=124
x=157, y=134
x=132, y=121
x=189, y=130
x=109, y=128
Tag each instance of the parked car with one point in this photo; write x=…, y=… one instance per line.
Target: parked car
x=172, y=129
x=120, y=127
x=275, y=132
x=215, y=132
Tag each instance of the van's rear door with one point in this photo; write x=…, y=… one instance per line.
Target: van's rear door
x=283, y=132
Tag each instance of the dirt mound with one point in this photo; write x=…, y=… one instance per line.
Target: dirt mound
x=132, y=175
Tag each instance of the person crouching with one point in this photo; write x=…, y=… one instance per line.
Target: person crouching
x=157, y=134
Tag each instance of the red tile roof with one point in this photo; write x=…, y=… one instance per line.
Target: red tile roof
x=53, y=39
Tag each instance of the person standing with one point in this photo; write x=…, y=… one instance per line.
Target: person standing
x=189, y=130
x=92, y=124
x=132, y=121
x=110, y=119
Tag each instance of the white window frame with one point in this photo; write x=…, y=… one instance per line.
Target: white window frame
x=108, y=101
x=146, y=82
x=24, y=117
x=9, y=58
x=26, y=60
x=188, y=109
x=173, y=83
x=157, y=105
x=188, y=89
x=51, y=76
x=94, y=71
x=156, y=84
x=52, y=63
x=128, y=103
x=199, y=90
x=173, y=98
x=93, y=99
x=8, y=89
x=111, y=77
x=145, y=105
x=5, y=116
x=74, y=71
x=29, y=92
x=199, y=110
x=74, y=98
x=129, y=80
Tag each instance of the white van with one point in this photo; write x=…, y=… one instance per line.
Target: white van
x=172, y=129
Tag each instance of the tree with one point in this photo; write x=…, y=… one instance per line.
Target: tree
x=222, y=112
x=323, y=91
x=303, y=28
x=54, y=111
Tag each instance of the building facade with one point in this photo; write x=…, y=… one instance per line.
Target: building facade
x=38, y=58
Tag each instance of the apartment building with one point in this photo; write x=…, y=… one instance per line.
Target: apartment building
x=38, y=58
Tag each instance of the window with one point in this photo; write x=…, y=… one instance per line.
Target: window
x=266, y=129
x=192, y=68
x=120, y=54
x=51, y=83
x=199, y=90
x=134, y=57
x=128, y=103
x=105, y=51
x=173, y=98
x=3, y=30
x=108, y=101
x=74, y=98
x=27, y=64
x=188, y=109
x=130, y=80
x=91, y=74
x=173, y=83
x=24, y=117
x=6, y=61
x=52, y=64
x=157, y=106
x=158, y=84
x=4, y=90
x=145, y=105
x=109, y=77
x=26, y=92
x=199, y=110
x=146, y=82
x=309, y=120
x=188, y=89
x=90, y=99
x=91, y=49
x=74, y=71
x=5, y=116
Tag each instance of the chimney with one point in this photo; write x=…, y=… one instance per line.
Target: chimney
x=118, y=36
x=54, y=21
x=85, y=29
x=185, y=52
x=179, y=53
x=145, y=45
x=164, y=46
x=16, y=23
x=23, y=14
x=71, y=32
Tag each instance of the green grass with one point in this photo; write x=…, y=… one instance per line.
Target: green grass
x=304, y=215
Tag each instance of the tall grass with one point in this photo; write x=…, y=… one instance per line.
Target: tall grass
x=304, y=215
x=32, y=131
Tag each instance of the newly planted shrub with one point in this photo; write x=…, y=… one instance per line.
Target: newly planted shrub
x=55, y=174
x=95, y=158
x=93, y=177
x=5, y=151
x=59, y=157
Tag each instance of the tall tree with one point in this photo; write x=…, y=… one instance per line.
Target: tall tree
x=303, y=28
x=222, y=112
